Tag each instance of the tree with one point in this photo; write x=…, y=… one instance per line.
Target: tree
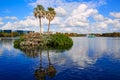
x=39, y=12
x=50, y=14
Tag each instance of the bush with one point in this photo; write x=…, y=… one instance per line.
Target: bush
x=17, y=43
x=60, y=41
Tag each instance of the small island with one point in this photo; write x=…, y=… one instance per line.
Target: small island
x=55, y=41
x=49, y=40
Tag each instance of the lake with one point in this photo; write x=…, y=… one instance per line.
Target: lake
x=88, y=59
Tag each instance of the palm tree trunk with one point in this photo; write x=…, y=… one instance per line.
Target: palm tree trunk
x=40, y=26
x=48, y=57
x=48, y=26
x=40, y=58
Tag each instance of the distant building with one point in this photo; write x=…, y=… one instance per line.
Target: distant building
x=7, y=31
x=0, y=30
x=18, y=31
x=22, y=31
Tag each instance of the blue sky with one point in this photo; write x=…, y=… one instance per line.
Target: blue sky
x=80, y=16
x=18, y=8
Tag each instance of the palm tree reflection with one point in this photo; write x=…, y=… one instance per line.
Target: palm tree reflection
x=50, y=71
x=42, y=72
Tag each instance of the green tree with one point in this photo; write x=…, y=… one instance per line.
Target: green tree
x=50, y=14
x=39, y=12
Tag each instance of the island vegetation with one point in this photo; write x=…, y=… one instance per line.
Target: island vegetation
x=53, y=41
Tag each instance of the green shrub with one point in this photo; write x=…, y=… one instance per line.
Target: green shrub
x=17, y=42
x=60, y=41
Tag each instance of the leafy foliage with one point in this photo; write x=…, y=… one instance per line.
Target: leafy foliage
x=39, y=12
x=50, y=14
x=60, y=41
x=17, y=43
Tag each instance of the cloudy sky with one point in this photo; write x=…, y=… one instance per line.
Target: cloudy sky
x=80, y=16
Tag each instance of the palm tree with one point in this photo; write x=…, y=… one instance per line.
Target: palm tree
x=39, y=12
x=50, y=14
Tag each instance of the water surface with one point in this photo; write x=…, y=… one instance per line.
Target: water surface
x=88, y=59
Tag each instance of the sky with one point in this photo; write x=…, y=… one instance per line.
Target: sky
x=72, y=16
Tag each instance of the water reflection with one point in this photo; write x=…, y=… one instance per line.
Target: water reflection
x=41, y=72
x=31, y=51
x=86, y=60
x=86, y=51
x=7, y=45
x=51, y=71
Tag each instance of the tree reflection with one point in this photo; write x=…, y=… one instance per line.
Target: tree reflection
x=42, y=72
x=51, y=71
x=30, y=51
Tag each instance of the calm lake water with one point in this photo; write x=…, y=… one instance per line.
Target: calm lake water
x=88, y=59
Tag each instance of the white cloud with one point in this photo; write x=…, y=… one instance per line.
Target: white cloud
x=1, y=51
x=101, y=25
x=98, y=17
x=79, y=16
x=56, y=21
x=1, y=22
x=116, y=23
x=60, y=12
x=29, y=23
x=7, y=26
x=107, y=20
x=115, y=14
x=11, y=18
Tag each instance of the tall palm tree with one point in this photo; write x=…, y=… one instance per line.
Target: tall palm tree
x=50, y=14
x=39, y=12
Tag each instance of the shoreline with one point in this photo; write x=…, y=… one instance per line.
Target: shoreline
x=9, y=38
